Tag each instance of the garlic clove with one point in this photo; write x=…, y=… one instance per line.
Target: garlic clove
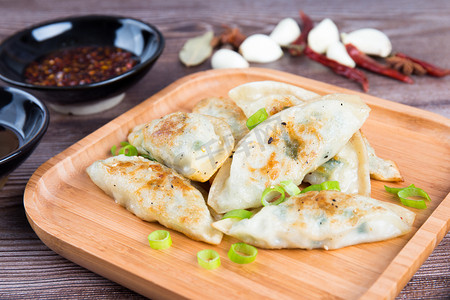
x=337, y=52
x=225, y=58
x=370, y=41
x=260, y=48
x=286, y=32
x=323, y=35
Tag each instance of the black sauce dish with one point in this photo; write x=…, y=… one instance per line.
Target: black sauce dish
x=143, y=40
x=23, y=119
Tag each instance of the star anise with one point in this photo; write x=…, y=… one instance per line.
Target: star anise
x=405, y=66
x=231, y=36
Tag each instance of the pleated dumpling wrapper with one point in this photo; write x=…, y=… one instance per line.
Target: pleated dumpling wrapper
x=325, y=219
x=227, y=110
x=194, y=145
x=286, y=146
x=154, y=192
x=272, y=95
x=382, y=169
x=350, y=167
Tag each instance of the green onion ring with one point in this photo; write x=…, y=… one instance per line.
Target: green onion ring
x=326, y=185
x=242, y=253
x=238, y=213
x=258, y=117
x=290, y=187
x=127, y=149
x=410, y=191
x=270, y=190
x=160, y=239
x=208, y=259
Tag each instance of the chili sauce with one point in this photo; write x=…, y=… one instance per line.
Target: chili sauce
x=79, y=66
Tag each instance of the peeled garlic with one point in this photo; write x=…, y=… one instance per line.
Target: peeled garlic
x=285, y=32
x=323, y=35
x=370, y=41
x=260, y=48
x=337, y=52
x=225, y=58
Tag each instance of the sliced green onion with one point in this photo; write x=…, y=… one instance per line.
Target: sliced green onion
x=126, y=149
x=290, y=187
x=208, y=259
x=238, y=213
x=326, y=185
x=257, y=118
x=160, y=239
x=114, y=150
x=270, y=193
x=393, y=190
x=410, y=191
x=242, y=253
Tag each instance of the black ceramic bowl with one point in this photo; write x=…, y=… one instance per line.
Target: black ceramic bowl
x=23, y=117
x=26, y=46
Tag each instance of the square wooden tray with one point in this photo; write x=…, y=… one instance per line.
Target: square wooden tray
x=76, y=219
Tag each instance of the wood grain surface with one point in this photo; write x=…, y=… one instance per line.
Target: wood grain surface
x=77, y=220
x=29, y=269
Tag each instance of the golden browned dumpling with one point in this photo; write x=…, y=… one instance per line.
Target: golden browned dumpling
x=227, y=110
x=194, y=145
x=326, y=219
x=382, y=169
x=286, y=146
x=154, y=192
x=272, y=95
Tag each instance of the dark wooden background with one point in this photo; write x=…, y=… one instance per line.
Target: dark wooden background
x=28, y=269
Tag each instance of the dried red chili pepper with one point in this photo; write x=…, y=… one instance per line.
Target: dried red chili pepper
x=431, y=69
x=351, y=73
x=368, y=63
x=297, y=47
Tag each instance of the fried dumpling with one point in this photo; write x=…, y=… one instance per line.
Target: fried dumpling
x=154, y=192
x=227, y=110
x=382, y=169
x=194, y=145
x=274, y=96
x=350, y=167
x=325, y=219
x=286, y=146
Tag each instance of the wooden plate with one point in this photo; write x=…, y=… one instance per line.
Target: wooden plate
x=77, y=220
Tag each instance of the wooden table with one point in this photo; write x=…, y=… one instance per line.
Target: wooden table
x=28, y=269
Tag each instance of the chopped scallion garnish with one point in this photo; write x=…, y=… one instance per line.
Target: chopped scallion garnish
x=238, y=213
x=271, y=193
x=394, y=190
x=242, y=253
x=410, y=191
x=326, y=185
x=114, y=150
x=208, y=259
x=160, y=239
x=258, y=117
x=290, y=187
x=126, y=149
